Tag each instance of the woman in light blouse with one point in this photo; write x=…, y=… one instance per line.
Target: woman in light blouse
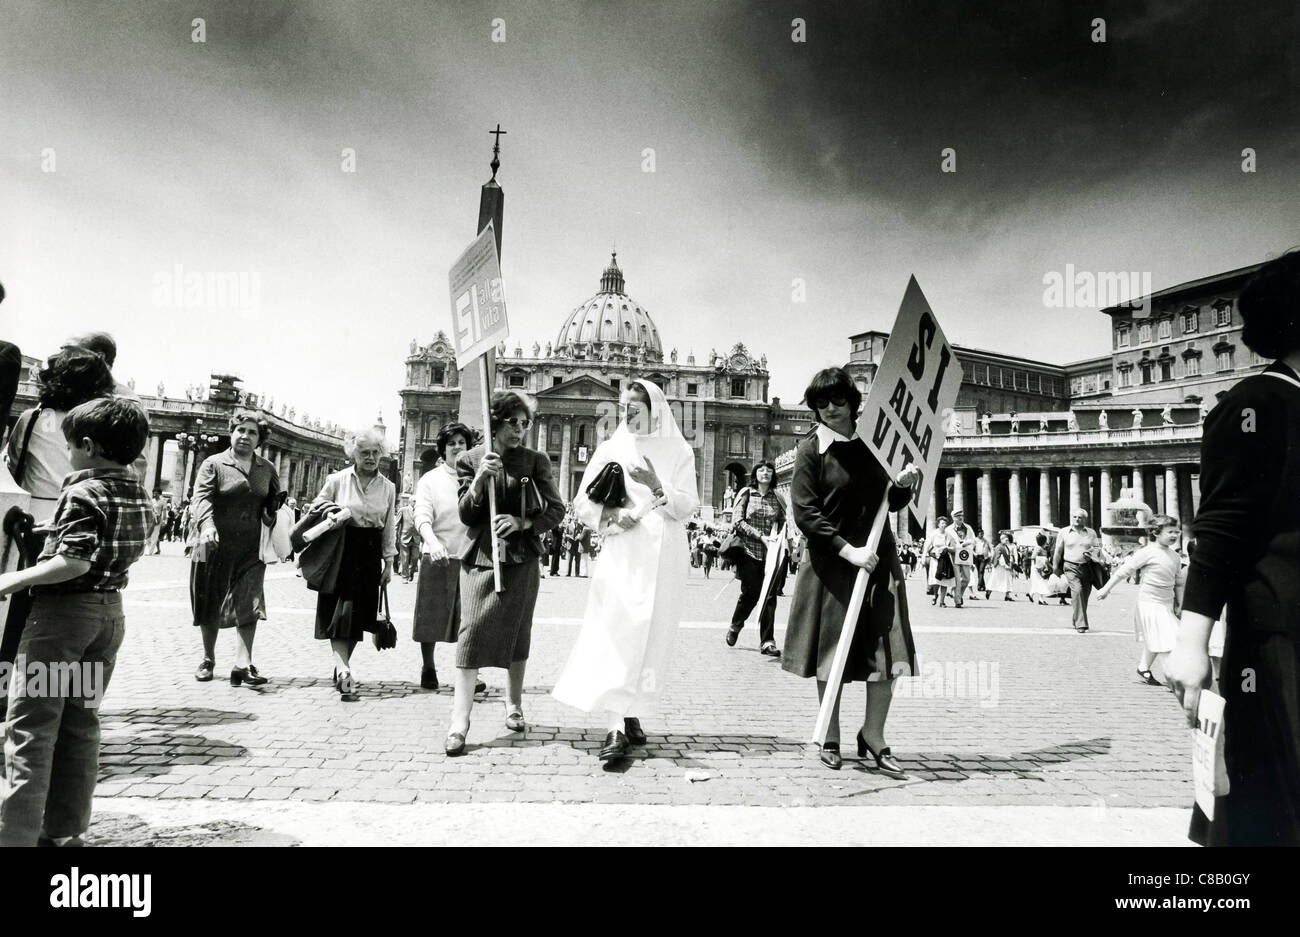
x=762, y=520
x=369, y=547
x=443, y=539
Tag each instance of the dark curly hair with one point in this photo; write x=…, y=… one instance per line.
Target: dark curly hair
x=506, y=403
x=118, y=426
x=451, y=430
x=1270, y=307
x=245, y=415
x=829, y=381
x=72, y=377
x=753, y=473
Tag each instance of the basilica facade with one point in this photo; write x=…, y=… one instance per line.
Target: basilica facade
x=720, y=399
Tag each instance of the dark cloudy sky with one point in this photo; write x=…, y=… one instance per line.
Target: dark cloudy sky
x=775, y=160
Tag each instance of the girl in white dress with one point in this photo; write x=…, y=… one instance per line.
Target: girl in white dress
x=999, y=575
x=619, y=664
x=1155, y=616
x=1040, y=567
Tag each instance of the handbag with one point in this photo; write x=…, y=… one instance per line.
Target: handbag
x=609, y=486
x=276, y=545
x=530, y=498
x=731, y=548
x=30, y=540
x=385, y=636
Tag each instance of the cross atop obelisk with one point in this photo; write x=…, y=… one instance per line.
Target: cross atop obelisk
x=496, y=149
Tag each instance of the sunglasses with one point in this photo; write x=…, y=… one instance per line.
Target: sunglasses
x=819, y=403
x=517, y=423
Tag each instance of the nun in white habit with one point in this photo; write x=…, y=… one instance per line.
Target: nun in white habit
x=619, y=664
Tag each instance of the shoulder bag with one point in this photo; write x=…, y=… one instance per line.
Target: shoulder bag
x=731, y=549
x=385, y=636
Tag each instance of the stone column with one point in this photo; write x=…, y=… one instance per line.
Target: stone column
x=933, y=511
x=1171, y=492
x=1075, y=500
x=1014, y=495
x=958, y=490
x=1146, y=488
x=1045, y=497
x=986, y=500
x=178, y=472
x=566, y=444
x=540, y=442
x=1105, y=497
x=707, y=463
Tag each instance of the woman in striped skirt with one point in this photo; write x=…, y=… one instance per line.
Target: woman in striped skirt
x=496, y=627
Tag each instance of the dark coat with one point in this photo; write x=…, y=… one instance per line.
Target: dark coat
x=522, y=546
x=834, y=497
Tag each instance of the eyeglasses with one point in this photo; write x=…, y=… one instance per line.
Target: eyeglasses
x=517, y=423
x=819, y=403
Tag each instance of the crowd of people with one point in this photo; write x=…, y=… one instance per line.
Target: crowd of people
x=481, y=527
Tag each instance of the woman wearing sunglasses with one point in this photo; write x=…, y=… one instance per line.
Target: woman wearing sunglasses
x=496, y=627
x=835, y=492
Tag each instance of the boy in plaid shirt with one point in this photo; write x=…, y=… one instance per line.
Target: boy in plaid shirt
x=100, y=527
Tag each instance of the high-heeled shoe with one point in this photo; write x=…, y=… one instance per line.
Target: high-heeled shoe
x=247, y=675
x=830, y=755
x=885, y=761
x=455, y=744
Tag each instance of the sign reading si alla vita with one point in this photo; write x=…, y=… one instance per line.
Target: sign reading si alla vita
x=912, y=395
x=478, y=300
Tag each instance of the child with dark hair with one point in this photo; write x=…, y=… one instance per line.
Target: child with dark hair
x=1155, y=616
x=70, y=644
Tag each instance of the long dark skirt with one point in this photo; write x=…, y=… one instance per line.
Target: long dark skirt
x=437, y=602
x=227, y=591
x=350, y=611
x=1261, y=725
x=496, y=628
x=882, y=640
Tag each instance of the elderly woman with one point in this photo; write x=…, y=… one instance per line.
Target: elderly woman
x=234, y=495
x=619, y=664
x=760, y=521
x=349, y=608
x=37, y=457
x=835, y=492
x=496, y=627
x=443, y=539
x=1246, y=558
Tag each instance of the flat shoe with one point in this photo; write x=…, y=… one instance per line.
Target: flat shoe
x=455, y=744
x=635, y=734
x=428, y=678
x=770, y=650
x=732, y=634
x=615, y=746
x=204, y=673
x=515, y=720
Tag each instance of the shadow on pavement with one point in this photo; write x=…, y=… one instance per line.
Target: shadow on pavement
x=111, y=829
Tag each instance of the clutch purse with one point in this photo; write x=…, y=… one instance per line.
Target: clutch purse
x=609, y=487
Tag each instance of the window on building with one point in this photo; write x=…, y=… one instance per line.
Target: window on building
x=1223, y=315
x=1192, y=366
x=1105, y=384
x=557, y=381
x=1166, y=369
x=1165, y=328
x=1121, y=336
x=1223, y=359
x=437, y=374
x=1190, y=323
x=615, y=383
x=582, y=434
x=1144, y=333
x=1147, y=367
x=737, y=442
x=557, y=435
x=692, y=390
x=738, y=385
x=1125, y=377
x=516, y=379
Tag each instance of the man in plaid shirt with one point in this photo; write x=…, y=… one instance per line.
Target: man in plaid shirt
x=70, y=644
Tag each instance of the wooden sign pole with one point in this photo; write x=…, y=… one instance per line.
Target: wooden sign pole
x=492, y=491
x=833, y=684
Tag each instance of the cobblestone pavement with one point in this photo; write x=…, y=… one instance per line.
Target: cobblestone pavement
x=1014, y=709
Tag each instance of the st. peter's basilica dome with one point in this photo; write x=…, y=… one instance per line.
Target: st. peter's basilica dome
x=611, y=321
